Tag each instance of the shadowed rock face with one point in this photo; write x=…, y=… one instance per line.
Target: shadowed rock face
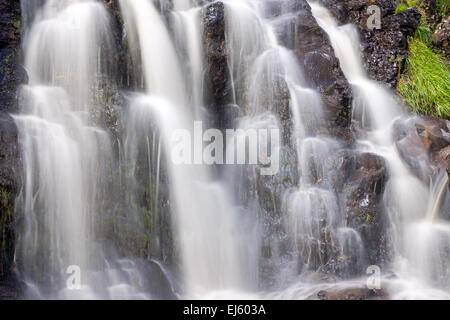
x=9, y=187
x=312, y=47
x=218, y=79
x=11, y=76
x=362, y=196
x=316, y=55
x=441, y=36
x=385, y=50
x=11, y=72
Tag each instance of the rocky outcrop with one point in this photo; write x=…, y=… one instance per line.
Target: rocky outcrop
x=362, y=196
x=218, y=78
x=359, y=180
x=441, y=37
x=424, y=145
x=322, y=70
x=385, y=50
x=435, y=136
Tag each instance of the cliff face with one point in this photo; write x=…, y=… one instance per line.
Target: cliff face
x=12, y=75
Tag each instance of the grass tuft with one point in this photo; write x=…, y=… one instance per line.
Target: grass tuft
x=443, y=8
x=425, y=85
x=401, y=7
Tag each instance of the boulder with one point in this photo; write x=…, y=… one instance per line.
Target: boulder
x=441, y=37
x=424, y=144
x=435, y=136
x=322, y=70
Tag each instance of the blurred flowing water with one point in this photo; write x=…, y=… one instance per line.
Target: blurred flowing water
x=226, y=242
x=420, y=238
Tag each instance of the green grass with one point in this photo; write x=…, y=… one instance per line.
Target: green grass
x=413, y=3
x=401, y=7
x=426, y=83
x=443, y=8
x=424, y=34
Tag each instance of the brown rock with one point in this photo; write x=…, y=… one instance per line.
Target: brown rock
x=441, y=37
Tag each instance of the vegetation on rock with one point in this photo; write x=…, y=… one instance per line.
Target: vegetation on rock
x=425, y=85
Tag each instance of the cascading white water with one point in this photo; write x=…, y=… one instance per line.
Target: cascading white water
x=188, y=33
x=65, y=155
x=210, y=237
x=420, y=239
x=260, y=64
x=217, y=239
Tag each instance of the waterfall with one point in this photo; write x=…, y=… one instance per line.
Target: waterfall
x=157, y=188
x=66, y=156
x=211, y=239
x=420, y=243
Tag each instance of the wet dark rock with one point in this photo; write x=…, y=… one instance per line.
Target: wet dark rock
x=12, y=73
x=10, y=289
x=435, y=136
x=441, y=37
x=266, y=194
x=10, y=177
x=218, y=79
x=313, y=48
x=361, y=197
x=359, y=181
x=384, y=50
x=435, y=133
x=424, y=145
x=272, y=188
x=411, y=149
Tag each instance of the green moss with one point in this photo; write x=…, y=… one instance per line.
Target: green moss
x=426, y=84
x=400, y=8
